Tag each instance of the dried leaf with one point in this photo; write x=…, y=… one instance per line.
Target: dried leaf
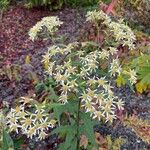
x=83, y=141
x=100, y=140
x=120, y=81
x=141, y=87
x=27, y=59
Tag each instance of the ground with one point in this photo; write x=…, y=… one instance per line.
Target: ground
x=15, y=47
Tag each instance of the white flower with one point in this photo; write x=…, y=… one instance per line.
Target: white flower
x=100, y=98
x=59, y=68
x=44, y=124
x=91, y=93
x=12, y=118
x=98, y=114
x=121, y=32
x=66, y=88
x=73, y=84
x=26, y=100
x=52, y=51
x=80, y=53
x=113, y=50
x=30, y=132
x=27, y=122
x=71, y=70
x=39, y=114
x=120, y=104
x=51, y=24
x=89, y=107
x=46, y=58
x=84, y=73
x=108, y=88
x=63, y=98
x=104, y=54
x=115, y=67
x=107, y=108
x=95, y=16
x=101, y=82
x=110, y=117
x=92, y=66
x=84, y=60
x=42, y=135
x=132, y=75
x=61, y=78
x=84, y=96
x=52, y=123
x=14, y=127
x=91, y=81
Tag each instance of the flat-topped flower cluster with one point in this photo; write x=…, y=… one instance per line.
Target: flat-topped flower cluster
x=50, y=24
x=121, y=32
x=33, y=123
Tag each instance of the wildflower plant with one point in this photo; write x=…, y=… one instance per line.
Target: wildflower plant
x=85, y=94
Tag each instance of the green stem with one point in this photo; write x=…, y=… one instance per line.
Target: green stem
x=1, y=15
x=78, y=123
x=98, y=34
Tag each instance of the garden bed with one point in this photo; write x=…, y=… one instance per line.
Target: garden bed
x=17, y=50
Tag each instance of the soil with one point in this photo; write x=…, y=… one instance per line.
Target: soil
x=15, y=46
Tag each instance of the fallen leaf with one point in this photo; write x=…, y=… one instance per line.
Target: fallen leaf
x=83, y=141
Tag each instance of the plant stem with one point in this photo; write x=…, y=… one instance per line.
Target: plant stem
x=1, y=15
x=98, y=33
x=78, y=123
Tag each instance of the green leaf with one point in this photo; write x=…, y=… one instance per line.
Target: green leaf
x=70, y=136
x=7, y=141
x=40, y=87
x=59, y=109
x=17, y=143
x=53, y=95
x=146, y=79
x=69, y=131
x=49, y=81
x=87, y=127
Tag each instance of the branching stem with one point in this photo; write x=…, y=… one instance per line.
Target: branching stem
x=78, y=124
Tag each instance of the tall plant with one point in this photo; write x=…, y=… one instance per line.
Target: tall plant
x=81, y=91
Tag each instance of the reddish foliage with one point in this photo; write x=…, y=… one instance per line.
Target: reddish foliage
x=110, y=8
x=14, y=29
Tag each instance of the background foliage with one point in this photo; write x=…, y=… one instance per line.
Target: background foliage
x=57, y=4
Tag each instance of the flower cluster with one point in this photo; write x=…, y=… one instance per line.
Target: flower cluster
x=115, y=67
x=50, y=23
x=34, y=123
x=96, y=95
x=121, y=32
x=75, y=71
x=95, y=16
x=132, y=76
